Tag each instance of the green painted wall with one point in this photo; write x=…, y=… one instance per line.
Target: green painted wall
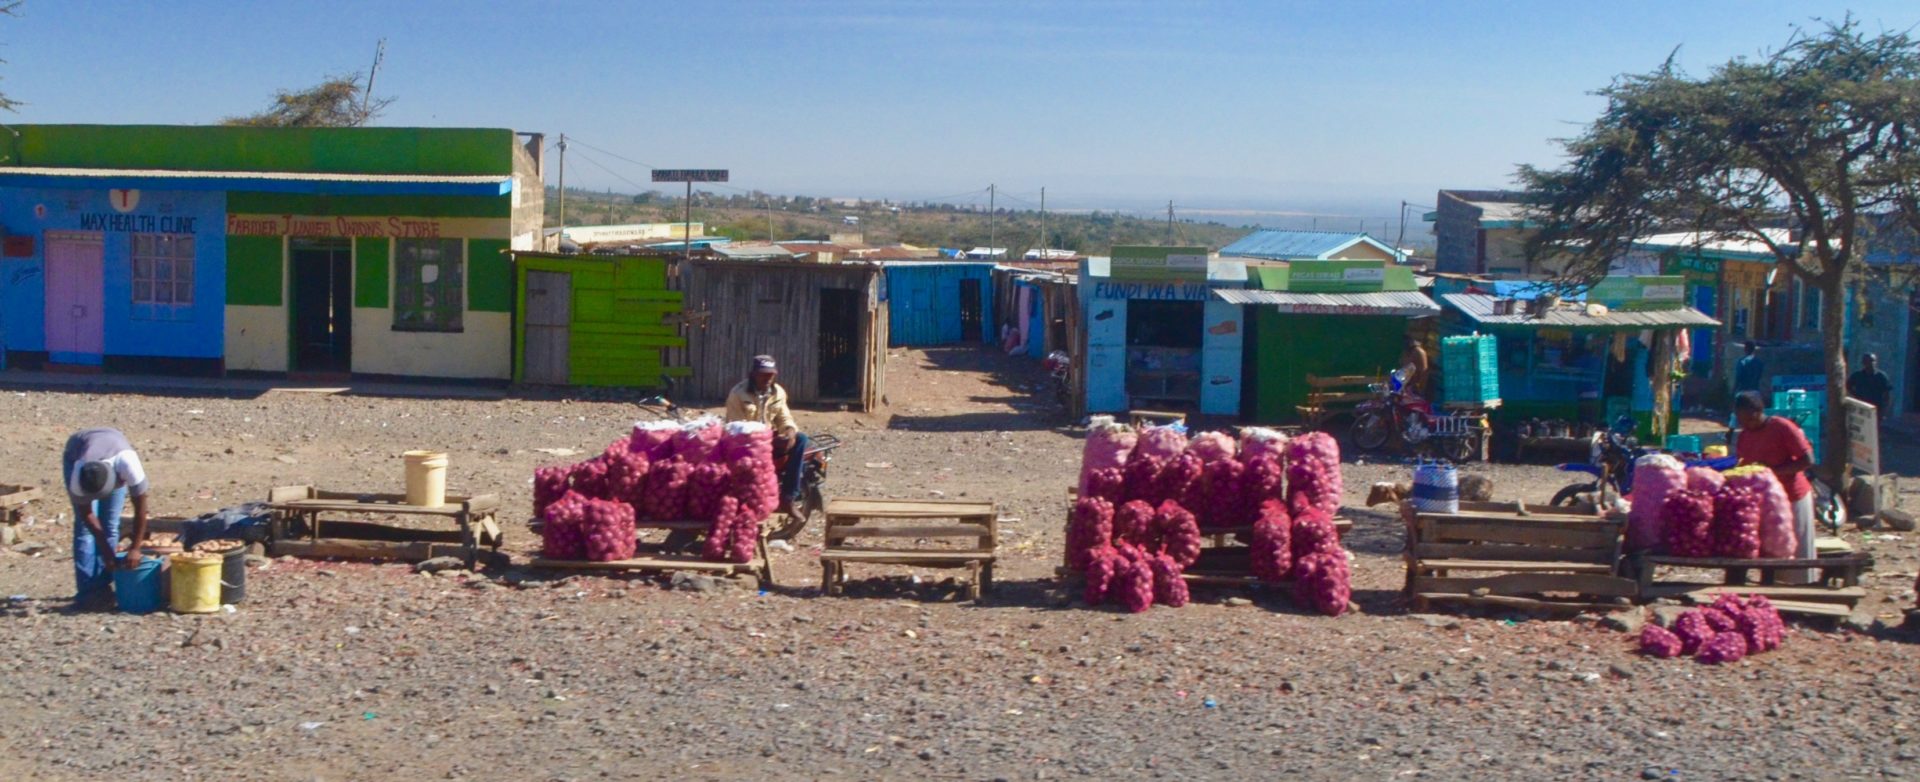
x=402, y=206
x=620, y=306
x=254, y=268
x=370, y=272
x=489, y=276
x=449, y=151
x=1287, y=348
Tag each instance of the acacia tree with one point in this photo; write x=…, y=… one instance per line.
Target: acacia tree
x=1818, y=137
x=338, y=102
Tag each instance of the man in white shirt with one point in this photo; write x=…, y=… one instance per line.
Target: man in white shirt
x=100, y=469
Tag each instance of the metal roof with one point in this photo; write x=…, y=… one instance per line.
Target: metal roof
x=1408, y=303
x=1718, y=246
x=257, y=181
x=1480, y=308
x=1279, y=245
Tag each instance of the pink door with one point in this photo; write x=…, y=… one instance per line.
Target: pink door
x=75, y=326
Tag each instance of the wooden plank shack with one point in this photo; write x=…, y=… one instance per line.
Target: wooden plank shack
x=826, y=323
x=595, y=320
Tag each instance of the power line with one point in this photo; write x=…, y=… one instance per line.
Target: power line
x=612, y=154
x=602, y=167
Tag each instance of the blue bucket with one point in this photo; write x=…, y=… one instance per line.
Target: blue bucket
x=138, y=590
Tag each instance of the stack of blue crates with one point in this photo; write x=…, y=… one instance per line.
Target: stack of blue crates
x=1470, y=369
x=1803, y=408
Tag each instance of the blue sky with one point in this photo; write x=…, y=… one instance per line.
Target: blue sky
x=1344, y=107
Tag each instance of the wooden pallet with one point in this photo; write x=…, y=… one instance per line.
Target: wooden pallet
x=13, y=509
x=1835, y=593
x=855, y=529
x=655, y=557
x=298, y=526
x=1514, y=557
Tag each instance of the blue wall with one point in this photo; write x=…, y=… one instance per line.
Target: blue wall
x=923, y=301
x=196, y=331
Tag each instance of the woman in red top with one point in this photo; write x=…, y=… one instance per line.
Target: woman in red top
x=1780, y=445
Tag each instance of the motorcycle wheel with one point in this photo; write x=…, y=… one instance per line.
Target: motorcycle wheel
x=1371, y=431
x=1566, y=497
x=1459, y=450
x=811, y=504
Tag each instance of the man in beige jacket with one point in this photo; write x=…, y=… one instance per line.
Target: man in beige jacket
x=760, y=398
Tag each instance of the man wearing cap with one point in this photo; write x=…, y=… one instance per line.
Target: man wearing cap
x=100, y=469
x=758, y=398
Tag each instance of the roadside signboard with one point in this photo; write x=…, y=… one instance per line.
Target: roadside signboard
x=1641, y=293
x=1863, y=436
x=689, y=175
x=1164, y=264
x=1336, y=276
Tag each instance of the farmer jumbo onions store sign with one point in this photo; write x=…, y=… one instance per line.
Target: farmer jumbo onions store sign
x=349, y=227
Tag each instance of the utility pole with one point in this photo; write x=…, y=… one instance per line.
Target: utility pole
x=1169, y=222
x=990, y=212
x=769, y=202
x=1398, y=243
x=1043, y=224
x=686, y=228
x=366, y=98
x=563, y=191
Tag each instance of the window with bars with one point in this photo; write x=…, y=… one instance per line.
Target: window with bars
x=428, y=294
x=162, y=275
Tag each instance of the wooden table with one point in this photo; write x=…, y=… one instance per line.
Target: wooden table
x=296, y=527
x=1507, y=556
x=1834, y=595
x=855, y=518
x=657, y=557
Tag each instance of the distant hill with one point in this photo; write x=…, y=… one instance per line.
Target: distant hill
x=747, y=216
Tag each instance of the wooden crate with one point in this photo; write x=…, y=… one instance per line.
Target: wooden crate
x=866, y=531
x=1833, y=595
x=297, y=527
x=1504, y=555
x=659, y=557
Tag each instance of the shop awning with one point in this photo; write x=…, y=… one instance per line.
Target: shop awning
x=1479, y=308
x=1410, y=304
x=256, y=181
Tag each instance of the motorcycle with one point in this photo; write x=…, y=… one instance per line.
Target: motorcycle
x=1057, y=363
x=813, y=476
x=1397, y=416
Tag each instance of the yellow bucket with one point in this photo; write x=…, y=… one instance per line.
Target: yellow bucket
x=426, y=478
x=196, y=582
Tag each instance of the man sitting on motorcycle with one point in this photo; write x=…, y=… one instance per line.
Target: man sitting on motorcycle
x=758, y=398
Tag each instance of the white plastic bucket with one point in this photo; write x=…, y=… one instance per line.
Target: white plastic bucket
x=1436, y=488
x=426, y=478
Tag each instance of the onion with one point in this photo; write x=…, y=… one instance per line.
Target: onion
x=1272, y=547
x=1313, y=473
x=1779, y=534
x=1654, y=476
x=1089, y=531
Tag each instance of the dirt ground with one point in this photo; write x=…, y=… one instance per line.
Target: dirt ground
x=336, y=671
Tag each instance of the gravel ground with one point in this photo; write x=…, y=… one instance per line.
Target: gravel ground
x=354, y=671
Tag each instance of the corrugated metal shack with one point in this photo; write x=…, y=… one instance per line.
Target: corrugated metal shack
x=940, y=303
x=1041, y=309
x=826, y=323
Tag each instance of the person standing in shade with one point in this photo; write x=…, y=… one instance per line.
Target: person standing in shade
x=1777, y=443
x=100, y=470
x=1872, y=386
x=1749, y=370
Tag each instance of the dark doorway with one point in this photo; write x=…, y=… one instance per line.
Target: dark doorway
x=322, y=306
x=839, y=343
x=970, y=312
x=1163, y=353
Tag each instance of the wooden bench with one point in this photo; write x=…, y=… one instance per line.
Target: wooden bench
x=13, y=510
x=1549, y=559
x=881, y=523
x=1331, y=396
x=296, y=526
x=680, y=551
